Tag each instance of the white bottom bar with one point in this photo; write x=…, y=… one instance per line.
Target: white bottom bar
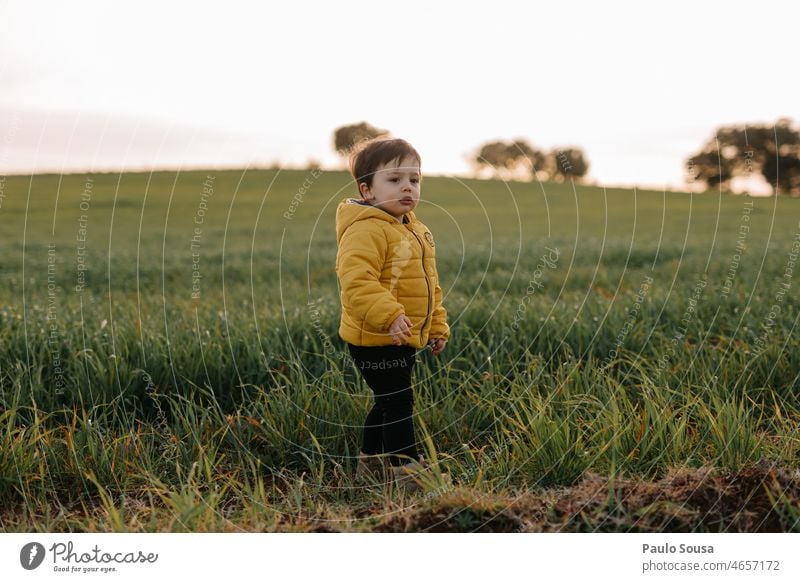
x=401, y=557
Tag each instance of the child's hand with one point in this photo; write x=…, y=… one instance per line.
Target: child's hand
x=437, y=346
x=400, y=330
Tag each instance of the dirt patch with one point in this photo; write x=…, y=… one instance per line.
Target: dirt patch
x=756, y=499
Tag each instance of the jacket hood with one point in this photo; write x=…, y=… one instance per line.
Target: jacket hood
x=351, y=210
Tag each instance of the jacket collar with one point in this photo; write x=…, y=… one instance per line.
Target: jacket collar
x=352, y=210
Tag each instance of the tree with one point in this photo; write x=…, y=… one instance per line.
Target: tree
x=492, y=154
x=568, y=163
x=509, y=159
x=346, y=136
x=741, y=150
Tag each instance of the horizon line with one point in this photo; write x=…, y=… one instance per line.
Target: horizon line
x=296, y=168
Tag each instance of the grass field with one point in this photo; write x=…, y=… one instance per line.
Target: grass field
x=620, y=360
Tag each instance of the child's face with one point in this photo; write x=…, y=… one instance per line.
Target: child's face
x=395, y=187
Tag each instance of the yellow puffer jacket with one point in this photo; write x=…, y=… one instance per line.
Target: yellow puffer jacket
x=385, y=269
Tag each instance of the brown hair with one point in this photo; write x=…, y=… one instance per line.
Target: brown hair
x=370, y=154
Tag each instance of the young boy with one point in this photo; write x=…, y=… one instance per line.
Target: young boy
x=390, y=293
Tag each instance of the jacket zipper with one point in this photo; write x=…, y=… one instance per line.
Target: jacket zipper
x=427, y=283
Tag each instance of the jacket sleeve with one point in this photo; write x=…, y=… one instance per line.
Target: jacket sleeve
x=361, y=255
x=439, y=327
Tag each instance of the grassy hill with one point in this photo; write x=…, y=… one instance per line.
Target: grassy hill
x=169, y=343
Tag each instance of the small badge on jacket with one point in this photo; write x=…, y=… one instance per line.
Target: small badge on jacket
x=429, y=237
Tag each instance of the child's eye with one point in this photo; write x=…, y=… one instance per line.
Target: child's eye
x=415, y=180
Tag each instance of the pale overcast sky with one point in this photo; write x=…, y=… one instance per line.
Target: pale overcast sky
x=123, y=84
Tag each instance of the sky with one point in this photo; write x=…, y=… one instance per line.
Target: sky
x=639, y=86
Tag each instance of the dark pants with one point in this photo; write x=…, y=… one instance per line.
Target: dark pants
x=389, y=426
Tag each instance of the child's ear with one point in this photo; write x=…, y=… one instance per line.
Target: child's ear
x=364, y=189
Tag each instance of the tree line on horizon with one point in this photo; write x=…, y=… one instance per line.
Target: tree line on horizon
x=516, y=159
x=734, y=151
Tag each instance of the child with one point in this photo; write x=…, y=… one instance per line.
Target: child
x=391, y=299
